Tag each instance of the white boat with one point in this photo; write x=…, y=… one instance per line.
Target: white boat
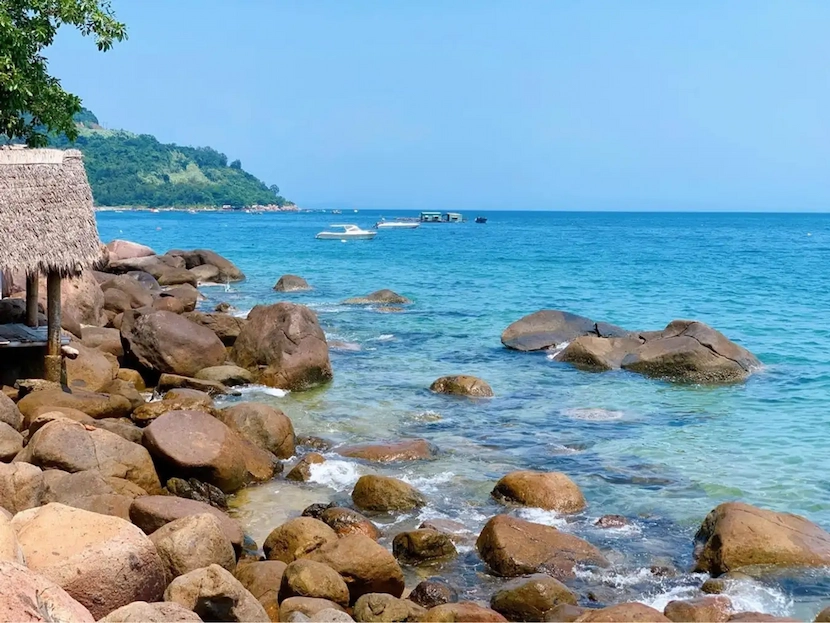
x=350, y=232
x=396, y=225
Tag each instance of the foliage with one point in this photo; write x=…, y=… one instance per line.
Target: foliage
x=32, y=103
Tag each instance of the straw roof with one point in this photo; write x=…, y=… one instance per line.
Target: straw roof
x=47, y=221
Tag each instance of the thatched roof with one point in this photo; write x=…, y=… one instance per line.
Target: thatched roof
x=47, y=221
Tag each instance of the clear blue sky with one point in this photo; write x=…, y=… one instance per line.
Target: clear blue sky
x=481, y=104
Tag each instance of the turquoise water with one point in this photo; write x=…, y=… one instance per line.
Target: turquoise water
x=660, y=454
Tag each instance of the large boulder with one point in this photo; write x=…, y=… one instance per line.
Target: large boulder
x=11, y=442
x=175, y=381
x=308, y=578
x=226, y=375
x=72, y=447
x=417, y=546
x=104, y=562
x=142, y=612
x=30, y=597
x=512, y=547
x=735, y=535
x=94, y=405
x=548, y=490
x=406, y=450
x=151, y=512
x=21, y=486
x=82, y=299
x=365, y=566
x=284, y=346
x=380, y=297
x=708, y=609
x=9, y=413
x=10, y=550
x=195, y=444
x=165, y=342
x=262, y=579
x=462, y=612
x=125, y=250
x=297, y=538
x=345, y=521
x=262, y=425
x=136, y=293
x=591, y=352
x=549, y=328
x=91, y=370
x=433, y=592
x=215, y=595
x=191, y=543
x=91, y=491
x=462, y=385
x=382, y=608
x=226, y=327
x=103, y=339
x=227, y=269
x=630, y=612
x=298, y=609
x=291, y=283
x=384, y=494
x=530, y=599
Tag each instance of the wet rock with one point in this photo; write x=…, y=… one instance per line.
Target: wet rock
x=308, y=606
x=296, y=539
x=823, y=616
x=418, y=546
x=365, y=566
x=345, y=521
x=735, y=535
x=215, y=595
x=307, y=578
x=612, y=521
x=94, y=405
x=28, y=596
x=151, y=512
x=385, y=494
x=382, y=297
x=462, y=385
x=21, y=486
x=176, y=381
x=103, y=339
x=565, y=613
x=702, y=610
x=142, y=612
x=462, y=612
x=548, y=490
x=193, y=489
x=195, y=444
x=634, y=612
x=284, y=346
x=301, y=472
x=226, y=375
x=9, y=413
x=262, y=579
x=224, y=307
x=531, y=600
x=456, y=530
x=757, y=617
x=314, y=443
x=264, y=426
x=103, y=562
x=512, y=547
x=316, y=510
x=125, y=250
x=226, y=327
x=548, y=328
x=379, y=607
x=291, y=283
x=407, y=450
x=433, y=592
x=191, y=543
x=11, y=442
x=591, y=352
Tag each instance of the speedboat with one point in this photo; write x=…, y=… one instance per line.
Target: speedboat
x=396, y=225
x=350, y=232
x=481, y=219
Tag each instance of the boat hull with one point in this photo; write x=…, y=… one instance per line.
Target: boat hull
x=333, y=235
x=397, y=225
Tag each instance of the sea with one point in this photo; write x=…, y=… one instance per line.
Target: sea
x=661, y=454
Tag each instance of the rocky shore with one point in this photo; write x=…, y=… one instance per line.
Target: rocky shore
x=115, y=488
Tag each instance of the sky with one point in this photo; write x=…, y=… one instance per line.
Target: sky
x=481, y=104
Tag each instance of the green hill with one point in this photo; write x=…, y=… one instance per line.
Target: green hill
x=126, y=169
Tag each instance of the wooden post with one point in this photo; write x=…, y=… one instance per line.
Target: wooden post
x=31, y=299
x=53, y=341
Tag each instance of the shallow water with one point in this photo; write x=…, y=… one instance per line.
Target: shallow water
x=661, y=454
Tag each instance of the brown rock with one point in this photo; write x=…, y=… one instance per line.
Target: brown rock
x=284, y=346
x=380, y=607
x=260, y=465
x=103, y=562
x=227, y=270
x=296, y=539
x=345, y=521
x=291, y=283
x=94, y=405
x=193, y=489
x=548, y=490
x=758, y=617
x=142, y=612
x=90, y=371
x=215, y=595
x=384, y=494
x=417, y=546
x=565, y=613
x=11, y=442
x=309, y=606
x=10, y=550
x=456, y=530
x=264, y=426
x=307, y=578
x=132, y=292
x=736, y=535
x=823, y=616
x=551, y=327
x=462, y=612
x=228, y=375
x=131, y=376
x=186, y=293
x=314, y=443
x=262, y=579
x=151, y=512
x=28, y=596
x=433, y=592
x=205, y=273
x=82, y=298
x=226, y=327
x=122, y=427
x=43, y=415
x=462, y=385
x=21, y=486
x=407, y=450
x=384, y=297
x=702, y=609
x=105, y=340
x=530, y=600
x=365, y=566
x=125, y=250
x=91, y=491
x=125, y=389
x=191, y=543
x=176, y=381
x=301, y=472
x=612, y=521
x=591, y=352
x=9, y=413
x=512, y=547
x=633, y=612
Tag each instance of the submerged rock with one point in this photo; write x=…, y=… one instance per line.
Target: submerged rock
x=548, y=490
x=291, y=283
x=406, y=450
x=462, y=612
x=433, y=592
x=384, y=297
x=633, y=612
x=418, y=546
x=462, y=385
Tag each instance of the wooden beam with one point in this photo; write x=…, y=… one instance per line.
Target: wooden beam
x=53, y=338
x=31, y=299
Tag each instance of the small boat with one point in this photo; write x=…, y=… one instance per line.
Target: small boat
x=396, y=225
x=350, y=232
x=336, y=211
x=481, y=219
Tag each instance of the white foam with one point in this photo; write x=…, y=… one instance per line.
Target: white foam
x=615, y=578
x=661, y=600
x=428, y=484
x=338, y=475
x=542, y=516
x=555, y=350
x=385, y=337
x=262, y=389
x=750, y=596
x=241, y=313
x=593, y=414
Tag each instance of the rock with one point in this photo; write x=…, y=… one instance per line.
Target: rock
x=70, y=446
x=125, y=250
x=262, y=579
x=547, y=328
x=417, y=546
x=702, y=610
x=530, y=600
x=314, y=443
x=168, y=276
x=41, y=416
x=223, y=307
x=264, y=426
x=307, y=578
x=461, y=385
x=260, y=465
x=25, y=387
x=82, y=298
x=10, y=550
x=330, y=615
x=28, y=596
x=284, y=346
x=301, y=472
x=105, y=340
x=384, y=297
x=194, y=444
x=757, y=617
x=103, y=562
x=205, y=273
x=186, y=293
x=227, y=328
x=296, y=539
x=94, y=405
x=433, y=592
x=122, y=292
x=456, y=530
x=191, y=543
x=227, y=269
x=21, y=486
x=90, y=371
x=633, y=612
x=193, y=489
x=175, y=381
x=226, y=375
x=612, y=521
x=823, y=616
x=385, y=494
x=11, y=442
x=9, y=413
x=379, y=607
x=126, y=389
x=365, y=566
x=565, y=613
x=131, y=376
x=308, y=606
x=91, y=491
x=215, y=595
x=181, y=399
x=463, y=611
x=145, y=279
x=291, y=283
x=591, y=352
x=172, y=304
x=512, y=547
x=548, y=490
x=407, y=450
x=345, y=521
x=151, y=512
x=194, y=398
x=736, y=535
x=690, y=351
x=142, y=612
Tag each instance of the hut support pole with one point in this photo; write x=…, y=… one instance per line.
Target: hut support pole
x=53, y=341
x=31, y=299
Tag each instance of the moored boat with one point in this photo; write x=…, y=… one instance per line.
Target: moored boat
x=350, y=232
x=481, y=219
x=396, y=225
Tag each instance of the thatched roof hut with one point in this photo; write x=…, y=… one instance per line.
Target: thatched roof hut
x=47, y=221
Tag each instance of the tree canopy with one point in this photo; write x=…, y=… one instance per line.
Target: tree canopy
x=32, y=103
